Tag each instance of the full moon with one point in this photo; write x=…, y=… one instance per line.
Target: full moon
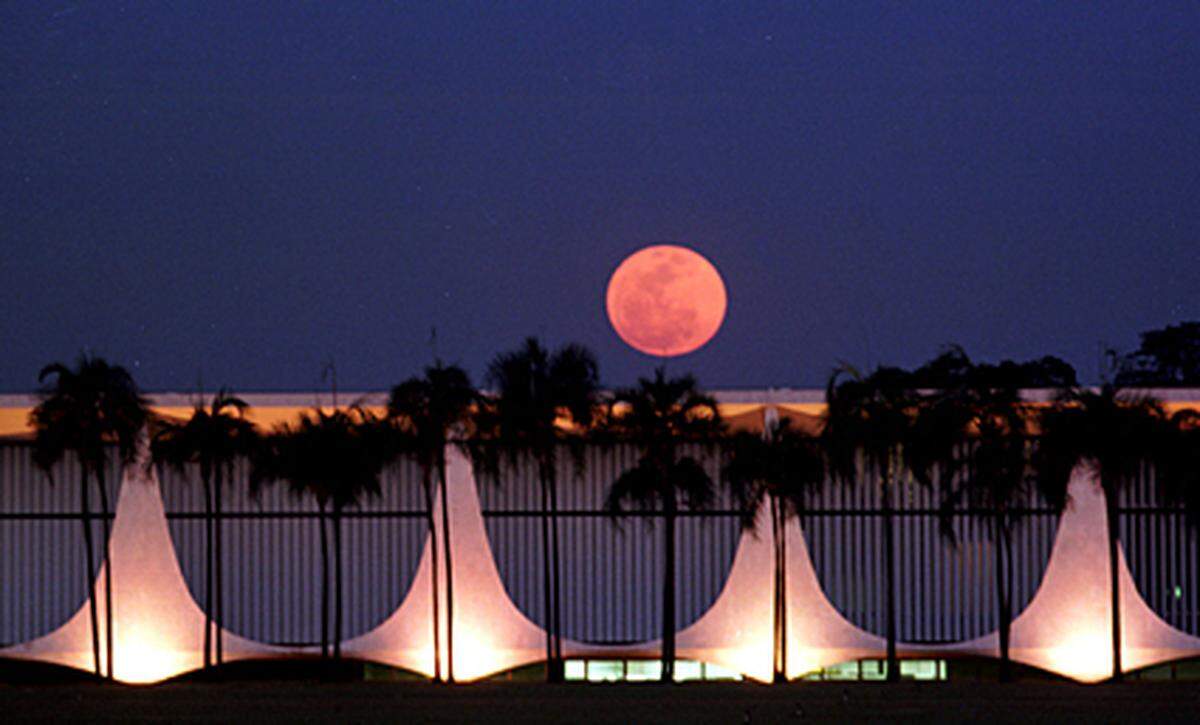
x=666, y=300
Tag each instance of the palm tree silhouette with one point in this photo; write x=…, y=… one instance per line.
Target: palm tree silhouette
x=1114, y=432
x=658, y=416
x=972, y=435
x=212, y=439
x=783, y=466
x=336, y=459
x=1179, y=473
x=867, y=423
x=536, y=395
x=1178, y=476
x=432, y=409
x=83, y=411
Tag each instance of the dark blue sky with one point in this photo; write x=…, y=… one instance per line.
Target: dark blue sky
x=238, y=192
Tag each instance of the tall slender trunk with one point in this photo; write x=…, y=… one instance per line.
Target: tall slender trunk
x=441, y=464
x=206, y=485
x=547, y=591
x=89, y=551
x=779, y=610
x=427, y=485
x=218, y=620
x=101, y=484
x=556, y=581
x=552, y=576
x=1002, y=538
x=1110, y=507
x=668, y=613
x=324, y=581
x=336, y=522
x=889, y=567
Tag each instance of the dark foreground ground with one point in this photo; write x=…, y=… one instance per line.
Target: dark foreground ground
x=526, y=702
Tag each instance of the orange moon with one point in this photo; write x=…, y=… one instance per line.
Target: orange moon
x=666, y=300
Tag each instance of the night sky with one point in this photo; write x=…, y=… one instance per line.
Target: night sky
x=236, y=193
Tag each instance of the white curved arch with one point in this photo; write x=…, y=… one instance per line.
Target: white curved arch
x=1067, y=626
x=490, y=633
x=158, y=629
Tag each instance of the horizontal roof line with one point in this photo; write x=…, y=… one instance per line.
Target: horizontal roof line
x=762, y=396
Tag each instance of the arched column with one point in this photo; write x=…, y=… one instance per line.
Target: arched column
x=158, y=629
x=1067, y=627
x=490, y=633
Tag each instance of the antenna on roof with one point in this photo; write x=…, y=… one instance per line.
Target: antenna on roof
x=330, y=372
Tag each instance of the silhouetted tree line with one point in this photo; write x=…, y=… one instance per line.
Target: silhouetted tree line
x=1166, y=358
x=951, y=422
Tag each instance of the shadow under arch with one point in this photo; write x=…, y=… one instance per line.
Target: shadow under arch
x=1183, y=668
x=43, y=580
x=944, y=593
x=611, y=569
x=300, y=667
x=271, y=553
x=1163, y=554
x=18, y=671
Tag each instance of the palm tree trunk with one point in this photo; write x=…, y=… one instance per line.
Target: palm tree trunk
x=668, y=613
x=889, y=567
x=1110, y=506
x=556, y=581
x=433, y=562
x=552, y=575
x=547, y=593
x=206, y=484
x=1003, y=546
x=108, y=608
x=85, y=516
x=324, y=581
x=336, y=522
x=218, y=622
x=441, y=464
x=779, y=630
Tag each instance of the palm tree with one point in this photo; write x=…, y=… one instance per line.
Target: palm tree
x=431, y=409
x=212, y=439
x=866, y=424
x=783, y=466
x=536, y=394
x=1179, y=474
x=1178, y=477
x=1116, y=434
x=973, y=435
x=84, y=411
x=335, y=458
x=661, y=414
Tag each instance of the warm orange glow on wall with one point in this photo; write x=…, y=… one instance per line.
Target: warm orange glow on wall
x=157, y=626
x=1065, y=628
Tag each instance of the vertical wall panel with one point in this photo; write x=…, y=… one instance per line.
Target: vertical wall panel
x=42, y=568
x=1162, y=553
x=944, y=592
x=272, y=559
x=612, y=569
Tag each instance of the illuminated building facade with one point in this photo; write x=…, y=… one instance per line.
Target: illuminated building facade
x=611, y=573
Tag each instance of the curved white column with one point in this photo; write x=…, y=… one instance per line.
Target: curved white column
x=158, y=629
x=1067, y=627
x=490, y=633
x=817, y=634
